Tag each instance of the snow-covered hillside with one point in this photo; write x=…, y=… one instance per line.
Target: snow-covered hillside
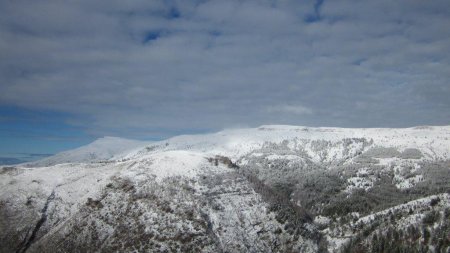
x=266, y=189
x=100, y=150
x=433, y=141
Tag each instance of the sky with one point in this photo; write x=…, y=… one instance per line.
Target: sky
x=76, y=70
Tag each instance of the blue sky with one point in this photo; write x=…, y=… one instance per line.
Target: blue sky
x=74, y=71
x=28, y=134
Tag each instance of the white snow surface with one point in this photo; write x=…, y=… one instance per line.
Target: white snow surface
x=102, y=149
x=433, y=142
x=170, y=164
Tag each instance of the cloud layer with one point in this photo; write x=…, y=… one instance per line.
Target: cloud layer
x=155, y=67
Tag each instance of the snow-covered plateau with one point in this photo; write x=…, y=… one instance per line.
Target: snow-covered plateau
x=267, y=189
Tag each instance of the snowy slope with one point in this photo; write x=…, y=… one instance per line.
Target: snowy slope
x=433, y=142
x=102, y=149
x=182, y=194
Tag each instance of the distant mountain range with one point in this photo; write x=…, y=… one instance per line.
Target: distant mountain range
x=267, y=189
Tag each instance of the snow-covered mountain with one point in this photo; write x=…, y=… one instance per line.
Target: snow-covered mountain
x=100, y=150
x=266, y=189
x=432, y=141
